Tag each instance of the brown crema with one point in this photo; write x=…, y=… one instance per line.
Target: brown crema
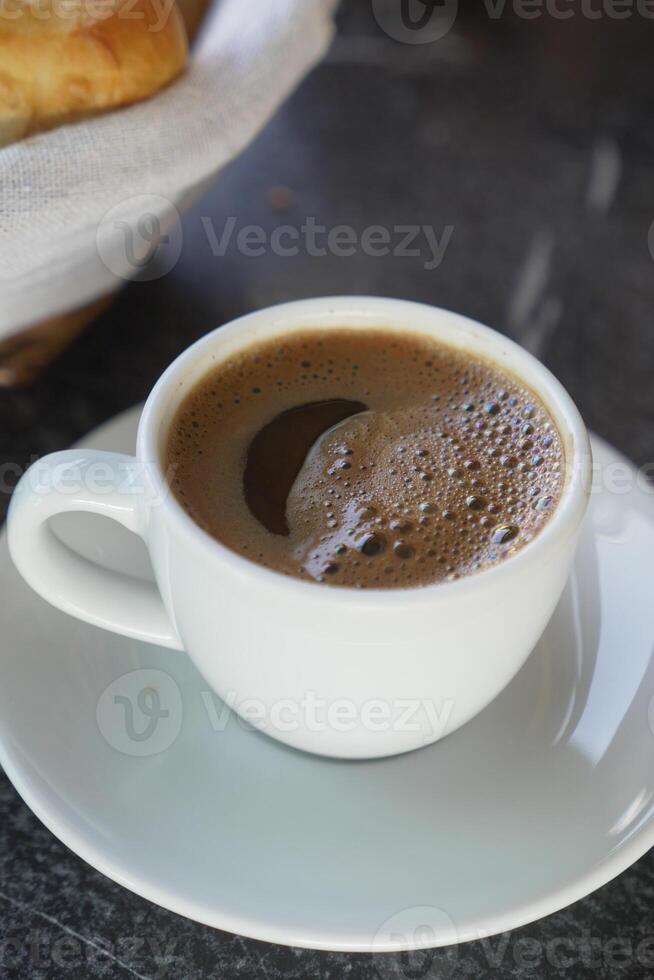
x=365, y=458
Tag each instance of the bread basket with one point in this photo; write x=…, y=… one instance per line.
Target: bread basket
x=73, y=201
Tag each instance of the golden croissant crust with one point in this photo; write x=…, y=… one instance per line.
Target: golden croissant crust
x=63, y=60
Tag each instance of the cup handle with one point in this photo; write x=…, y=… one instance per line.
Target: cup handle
x=99, y=483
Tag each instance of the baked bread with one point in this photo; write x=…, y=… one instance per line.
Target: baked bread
x=64, y=60
x=24, y=355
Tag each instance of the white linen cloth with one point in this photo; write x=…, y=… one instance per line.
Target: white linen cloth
x=57, y=247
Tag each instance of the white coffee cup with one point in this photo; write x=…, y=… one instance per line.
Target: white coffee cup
x=337, y=671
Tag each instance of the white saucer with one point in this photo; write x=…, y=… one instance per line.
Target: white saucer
x=544, y=797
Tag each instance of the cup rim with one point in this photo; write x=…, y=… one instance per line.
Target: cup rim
x=362, y=311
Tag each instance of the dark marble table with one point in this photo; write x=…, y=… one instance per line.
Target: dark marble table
x=533, y=140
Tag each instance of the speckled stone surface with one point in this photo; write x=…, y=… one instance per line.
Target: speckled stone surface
x=534, y=140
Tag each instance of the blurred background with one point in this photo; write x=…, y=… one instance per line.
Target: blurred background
x=532, y=141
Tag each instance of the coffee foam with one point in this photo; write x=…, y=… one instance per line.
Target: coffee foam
x=453, y=466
